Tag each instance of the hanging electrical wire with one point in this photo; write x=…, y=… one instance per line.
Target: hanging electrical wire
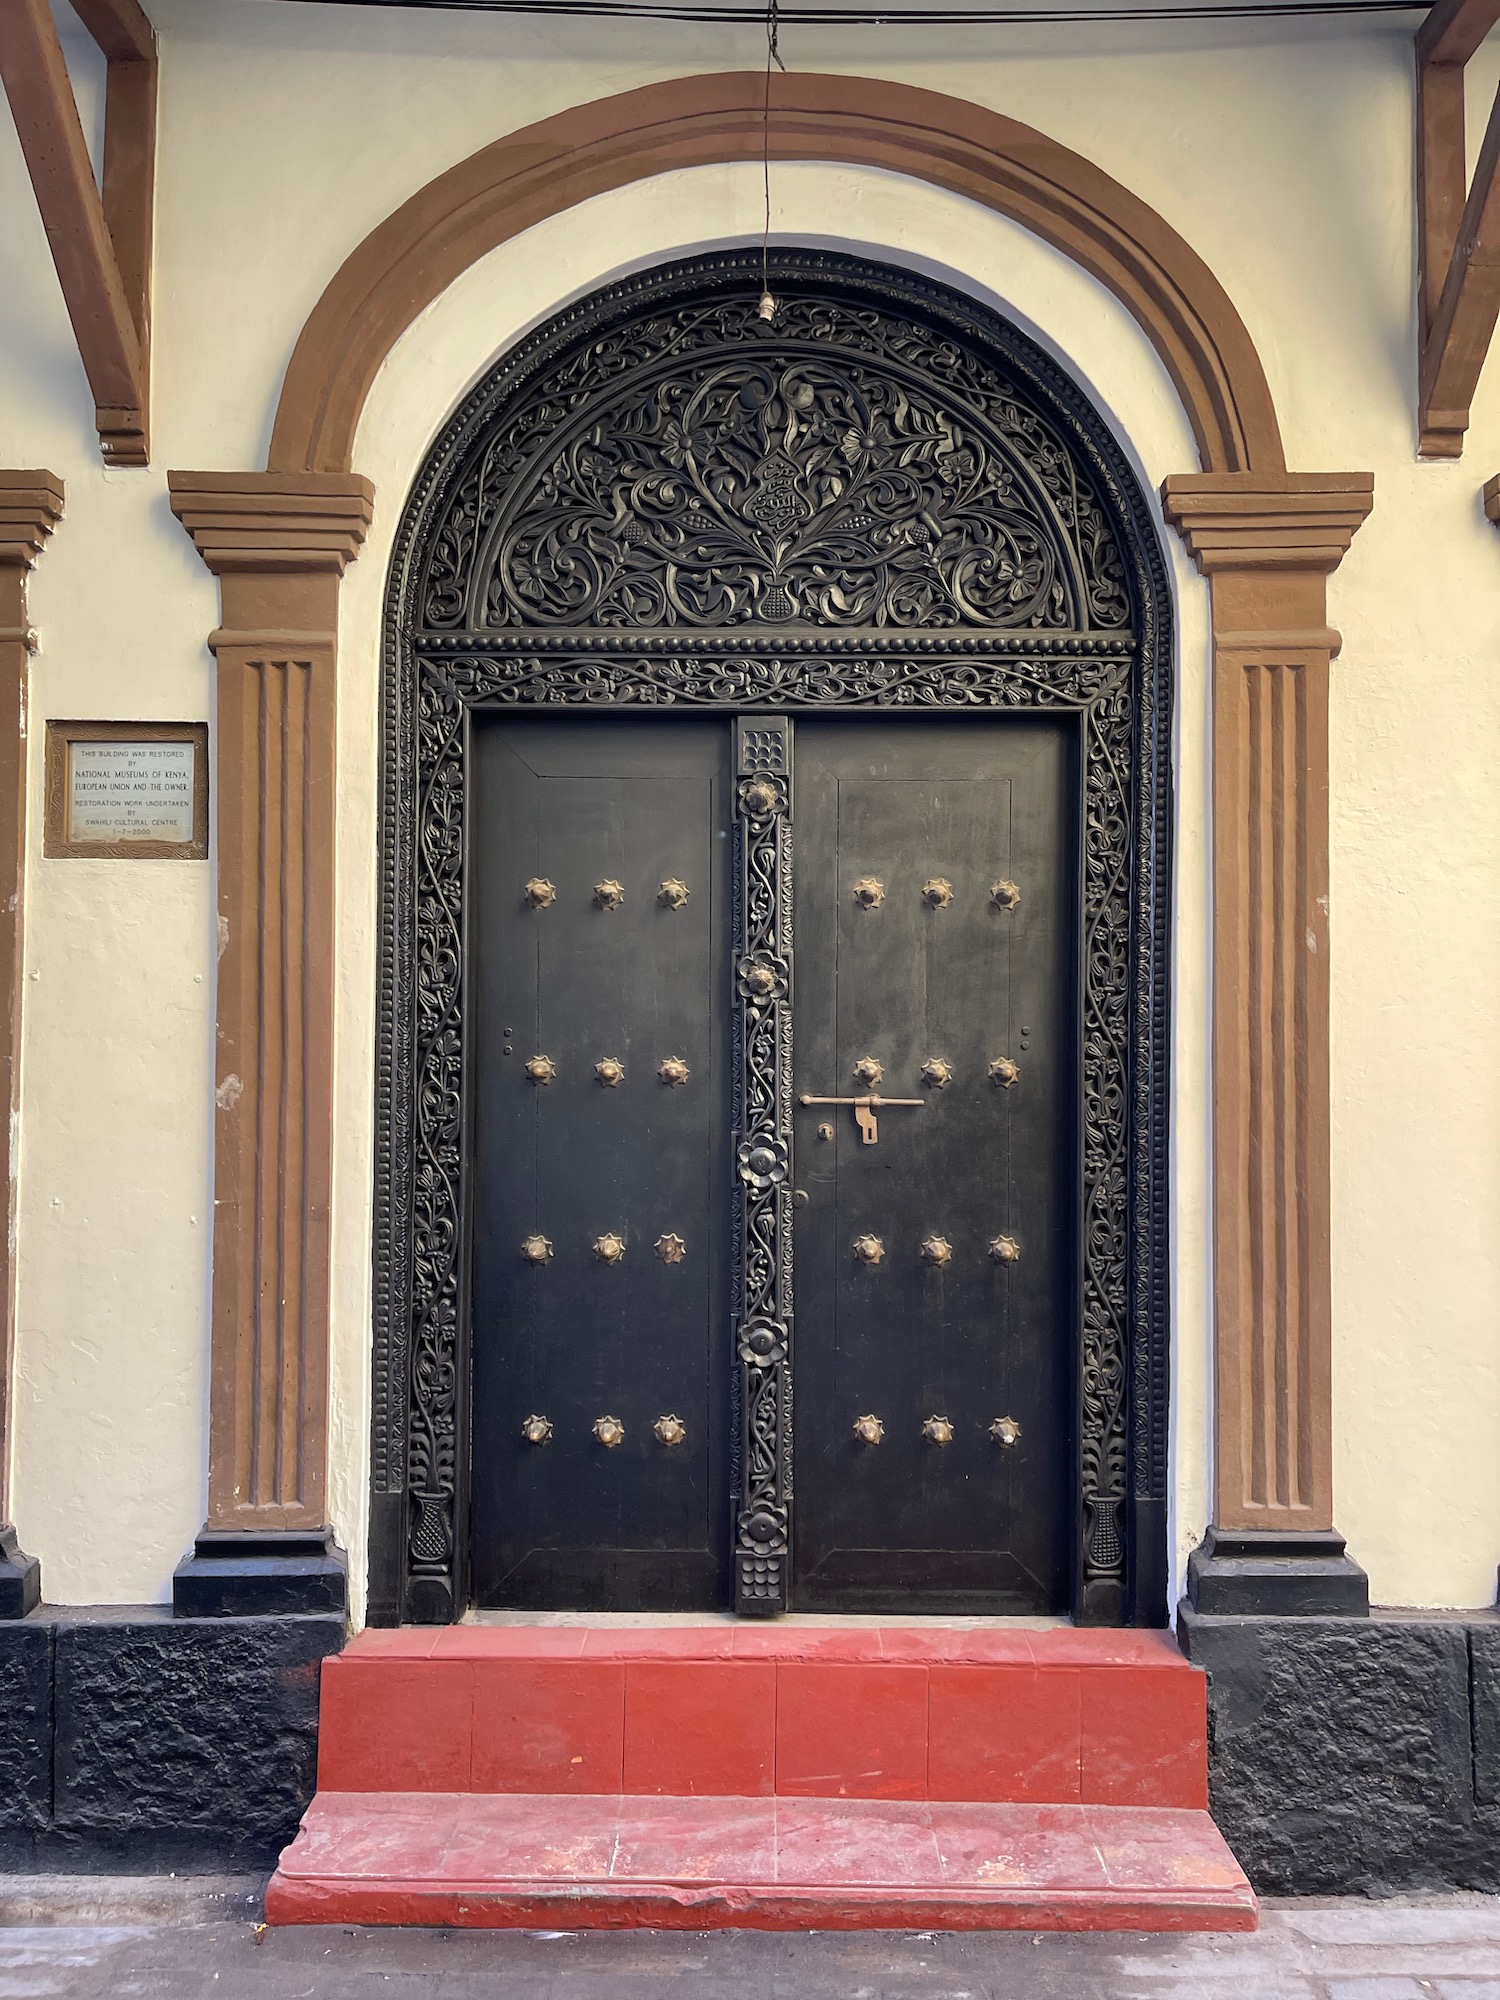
x=773, y=55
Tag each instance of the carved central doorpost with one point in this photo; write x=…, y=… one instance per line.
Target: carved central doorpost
x=278, y=544
x=1267, y=544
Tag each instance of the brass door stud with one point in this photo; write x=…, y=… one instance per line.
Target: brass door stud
x=673, y=1072
x=936, y=1073
x=670, y=1430
x=536, y=1249
x=1003, y=1073
x=868, y=1249
x=1006, y=1432
x=610, y=1071
x=609, y=1248
x=609, y=1431
x=869, y=1430
x=869, y=1070
x=537, y=1430
x=670, y=1249
x=540, y=893
x=609, y=894
x=937, y=892
x=938, y=1430
x=541, y=1069
x=1005, y=1250
x=673, y=893
x=869, y=893
x=937, y=1250
x=1005, y=895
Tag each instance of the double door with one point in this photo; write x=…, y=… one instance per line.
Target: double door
x=933, y=1226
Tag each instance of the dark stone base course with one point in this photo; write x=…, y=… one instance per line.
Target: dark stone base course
x=1354, y=1755
x=134, y=1742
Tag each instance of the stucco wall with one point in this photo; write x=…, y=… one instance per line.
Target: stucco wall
x=286, y=134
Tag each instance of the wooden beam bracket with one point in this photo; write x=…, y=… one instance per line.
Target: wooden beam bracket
x=100, y=238
x=1458, y=227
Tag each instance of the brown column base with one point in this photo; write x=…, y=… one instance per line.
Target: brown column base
x=267, y=1572
x=20, y=1578
x=1275, y=1573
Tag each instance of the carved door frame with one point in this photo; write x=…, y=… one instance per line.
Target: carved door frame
x=1116, y=683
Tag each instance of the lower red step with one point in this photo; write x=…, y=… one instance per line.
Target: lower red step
x=581, y=1862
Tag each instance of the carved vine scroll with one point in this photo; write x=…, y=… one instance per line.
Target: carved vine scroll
x=890, y=500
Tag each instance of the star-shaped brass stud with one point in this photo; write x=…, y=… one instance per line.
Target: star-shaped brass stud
x=609, y=894
x=537, y=1430
x=868, y=1249
x=541, y=1069
x=869, y=1430
x=938, y=1430
x=673, y=893
x=671, y=1249
x=536, y=1249
x=609, y=1431
x=670, y=1430
x=610, y=1071
x=609, y=1248
x=936, y=1073
x=937, y=1250
x=1003, y=1073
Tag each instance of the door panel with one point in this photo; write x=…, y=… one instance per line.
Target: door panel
x=572, y=1523
x=908, y=1522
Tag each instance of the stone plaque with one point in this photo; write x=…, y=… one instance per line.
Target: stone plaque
x=137, y=790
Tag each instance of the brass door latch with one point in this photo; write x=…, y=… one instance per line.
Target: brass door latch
x=865, y=1109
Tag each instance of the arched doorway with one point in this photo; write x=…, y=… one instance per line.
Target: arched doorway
x=675, y=584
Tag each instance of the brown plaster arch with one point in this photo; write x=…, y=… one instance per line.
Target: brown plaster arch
x=405, y=263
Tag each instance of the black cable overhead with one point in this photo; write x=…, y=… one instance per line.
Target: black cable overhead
x=882, y=17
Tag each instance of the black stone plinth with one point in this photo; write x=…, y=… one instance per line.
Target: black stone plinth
x=135, y=1742
x=1354, y=1756
x=261, y=1575
x=1255, y=1573
x=20, y=1578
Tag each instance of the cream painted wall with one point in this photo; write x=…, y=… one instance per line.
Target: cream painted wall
x=286, y=134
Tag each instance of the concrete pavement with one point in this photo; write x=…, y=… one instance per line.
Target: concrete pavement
x=188, y=1940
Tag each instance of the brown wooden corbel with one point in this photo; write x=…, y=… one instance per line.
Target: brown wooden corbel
x=101, y=243
x=1458, y=227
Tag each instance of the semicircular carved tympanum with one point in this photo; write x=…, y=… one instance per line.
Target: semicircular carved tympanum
x=837, y=467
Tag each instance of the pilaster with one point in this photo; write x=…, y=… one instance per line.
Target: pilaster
x=1267, y=543
x=31, y=505
x=278, y=543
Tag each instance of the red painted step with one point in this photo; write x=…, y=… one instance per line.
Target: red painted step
x=781, y=1775
x=503, y=1861
x=1046, y=1717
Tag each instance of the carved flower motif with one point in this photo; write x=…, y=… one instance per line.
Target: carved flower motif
x=761, y=797
x=762, y=979
x=761, y=1529
x=763, y=1162
x=763, y=1343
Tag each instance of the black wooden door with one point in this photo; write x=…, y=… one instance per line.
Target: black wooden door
x=935, y=900
x=600, y=864
x=934, y=1240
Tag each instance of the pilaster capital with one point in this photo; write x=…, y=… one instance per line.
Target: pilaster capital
x=1267, y=520
x=31, y=505
x=270, y=523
